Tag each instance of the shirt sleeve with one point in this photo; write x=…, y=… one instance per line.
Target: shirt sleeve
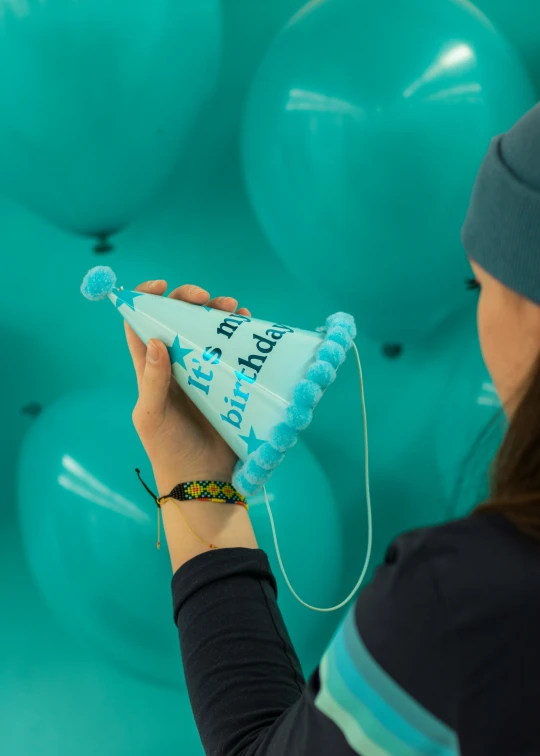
x=385, y=685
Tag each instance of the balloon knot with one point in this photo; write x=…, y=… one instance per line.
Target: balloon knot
x=103, y=244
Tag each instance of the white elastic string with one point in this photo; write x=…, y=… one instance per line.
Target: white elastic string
x=368, y=499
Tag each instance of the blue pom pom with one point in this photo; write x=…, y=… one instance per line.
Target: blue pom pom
x=282, y=437
x=343, y=320
x=341, y=336
x=242, y=485
x=98, y=283
x=307, y=393
x=298, y=417
x=268, y=457
x=254, y=473
x=322, y=373
x=332, y=353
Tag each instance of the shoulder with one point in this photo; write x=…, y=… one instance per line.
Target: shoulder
x=393, y=660
x=446, y=628
x=483, y=559
x=478, y=548
x=418, y=561
x=437, y=594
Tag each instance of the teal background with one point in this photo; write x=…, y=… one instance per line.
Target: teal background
x=425, y=407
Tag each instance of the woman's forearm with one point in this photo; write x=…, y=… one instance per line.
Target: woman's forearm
x=241, y=670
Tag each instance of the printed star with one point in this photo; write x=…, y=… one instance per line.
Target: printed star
x=252, y=441
x=177, y=353
x=126, y=297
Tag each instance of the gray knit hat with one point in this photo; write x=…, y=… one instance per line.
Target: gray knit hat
x=502, y=228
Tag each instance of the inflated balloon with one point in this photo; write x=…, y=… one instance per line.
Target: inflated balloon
x=364, y=130
x=97, y=101
x=90, y=532
x=520, y=23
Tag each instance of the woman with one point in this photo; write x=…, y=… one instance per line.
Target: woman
x=440, y=654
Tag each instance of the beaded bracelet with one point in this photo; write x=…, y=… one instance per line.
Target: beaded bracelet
x=210, y=490
x=203, y=490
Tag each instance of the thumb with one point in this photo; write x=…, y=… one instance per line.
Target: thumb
x=156, y=379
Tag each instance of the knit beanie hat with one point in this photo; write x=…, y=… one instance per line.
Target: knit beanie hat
x=502, y=228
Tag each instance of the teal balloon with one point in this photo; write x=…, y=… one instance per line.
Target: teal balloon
x=519, y=22
x=89, y=533
x=364, y=129
x=98, y=100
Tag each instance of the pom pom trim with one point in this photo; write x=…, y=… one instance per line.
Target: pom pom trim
x=339, y=332
x=98, y=283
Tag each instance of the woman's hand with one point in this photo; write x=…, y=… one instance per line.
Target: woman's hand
x=179, y=441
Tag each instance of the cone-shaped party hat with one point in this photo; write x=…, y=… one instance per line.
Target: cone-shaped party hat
x=256, y=381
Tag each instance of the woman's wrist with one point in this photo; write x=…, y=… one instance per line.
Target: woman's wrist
x=190, y=527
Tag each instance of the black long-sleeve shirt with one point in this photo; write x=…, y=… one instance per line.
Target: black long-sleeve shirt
x=440, y=655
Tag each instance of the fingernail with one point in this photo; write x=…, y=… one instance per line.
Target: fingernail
x=152, y=352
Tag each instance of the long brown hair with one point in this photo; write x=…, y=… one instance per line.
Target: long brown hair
x=515, y=474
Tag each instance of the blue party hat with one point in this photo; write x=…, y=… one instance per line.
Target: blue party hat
x=256, y=381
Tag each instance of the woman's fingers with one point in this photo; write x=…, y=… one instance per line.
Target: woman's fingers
x=190, y=293
x=136, y=347
x=197, y=295
x=154, y=385
x=229, y=304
